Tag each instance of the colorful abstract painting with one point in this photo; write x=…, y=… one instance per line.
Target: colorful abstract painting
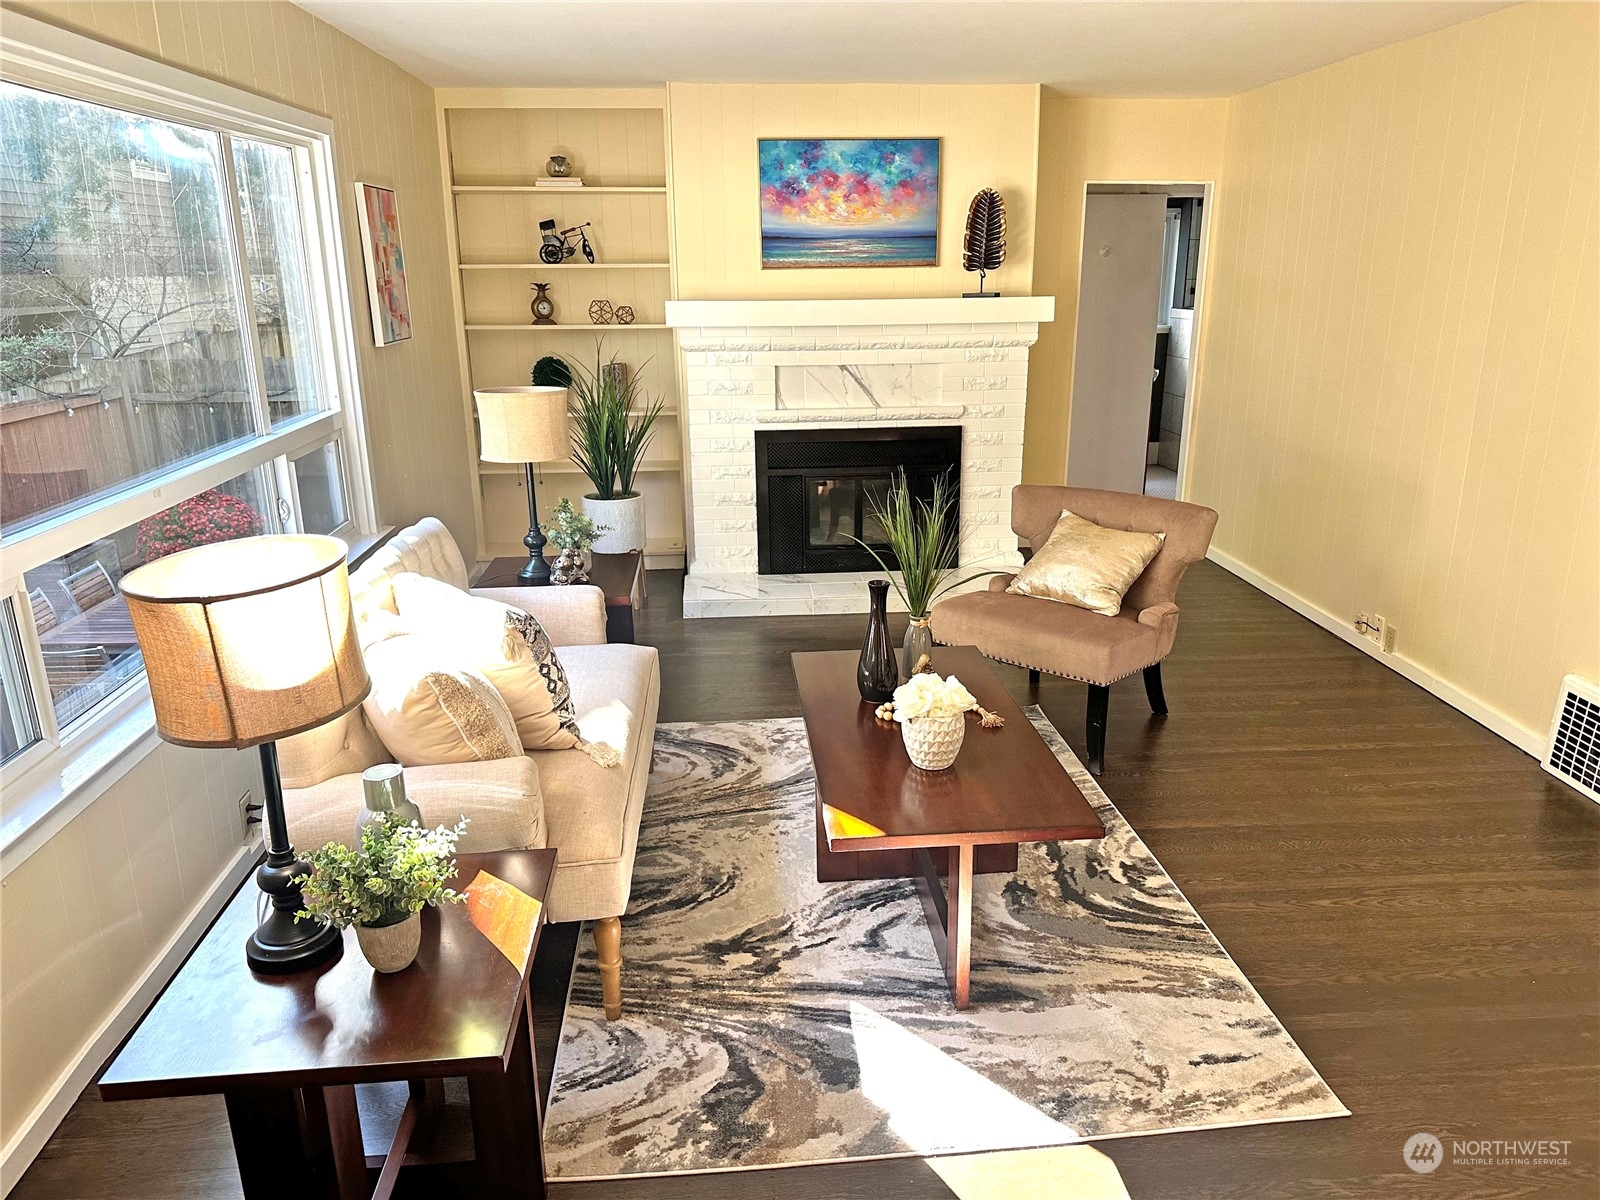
x=386, y=264
x=849, y=202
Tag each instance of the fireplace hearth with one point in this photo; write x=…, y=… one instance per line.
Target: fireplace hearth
x=817, y=489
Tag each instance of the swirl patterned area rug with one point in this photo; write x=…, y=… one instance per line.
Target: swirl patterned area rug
x=771, y=1020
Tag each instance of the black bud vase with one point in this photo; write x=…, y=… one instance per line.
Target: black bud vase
x=879, y=674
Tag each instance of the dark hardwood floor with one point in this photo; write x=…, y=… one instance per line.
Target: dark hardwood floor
x=1417, y=900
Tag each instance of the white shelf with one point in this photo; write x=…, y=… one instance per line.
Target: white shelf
x=464, y=189
x=578, y=266
x=573, y=328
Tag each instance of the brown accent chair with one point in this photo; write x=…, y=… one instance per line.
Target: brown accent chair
x=1045, y=635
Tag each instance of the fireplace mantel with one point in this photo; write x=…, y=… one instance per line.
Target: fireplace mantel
x=939, y=310
x=751, y=365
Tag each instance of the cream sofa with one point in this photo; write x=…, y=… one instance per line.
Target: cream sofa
x=559, y=798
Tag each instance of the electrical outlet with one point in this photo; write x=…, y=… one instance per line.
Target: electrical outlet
x=1390, y=635
x=249, y=819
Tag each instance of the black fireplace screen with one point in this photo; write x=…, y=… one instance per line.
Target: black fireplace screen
x=817, y=489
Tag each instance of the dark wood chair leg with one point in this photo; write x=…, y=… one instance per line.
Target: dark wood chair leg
x=1152, y=689
x=1033, y=679
x=1095, y=726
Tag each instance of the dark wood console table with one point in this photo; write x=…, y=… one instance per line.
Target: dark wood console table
x=286, y=1053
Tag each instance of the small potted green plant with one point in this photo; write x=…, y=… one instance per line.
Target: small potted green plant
x=382, y=887
x=572, y=533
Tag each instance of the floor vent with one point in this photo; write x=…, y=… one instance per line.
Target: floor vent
x=1574, y=754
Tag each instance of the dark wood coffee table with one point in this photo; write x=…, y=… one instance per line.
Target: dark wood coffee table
x=880, y=817
x=619, y=576
x=286, y=1051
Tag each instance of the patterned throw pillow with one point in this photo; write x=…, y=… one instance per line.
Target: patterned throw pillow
x=544, y=654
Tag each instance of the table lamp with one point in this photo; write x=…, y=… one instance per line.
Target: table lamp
x=525, y=425
x=245, y=642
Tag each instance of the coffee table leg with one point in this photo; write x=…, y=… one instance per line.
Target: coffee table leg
x=950, y=917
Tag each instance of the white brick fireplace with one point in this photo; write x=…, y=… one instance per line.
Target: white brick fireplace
x=872, y=363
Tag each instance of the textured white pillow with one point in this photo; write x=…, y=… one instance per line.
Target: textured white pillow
x=427, y=709
x=479, y=635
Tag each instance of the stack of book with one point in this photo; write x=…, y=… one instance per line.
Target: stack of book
x=570, y=181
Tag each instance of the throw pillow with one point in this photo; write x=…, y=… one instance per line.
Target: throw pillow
x=428, y=710
x=1087, y=565
x=478, y=633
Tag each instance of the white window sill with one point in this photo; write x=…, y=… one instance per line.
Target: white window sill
x=60, y=785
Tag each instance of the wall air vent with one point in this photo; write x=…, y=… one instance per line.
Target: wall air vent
x=1574, y=753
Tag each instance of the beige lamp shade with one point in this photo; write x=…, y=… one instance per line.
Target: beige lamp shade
x=247, y=641
x=522, y=424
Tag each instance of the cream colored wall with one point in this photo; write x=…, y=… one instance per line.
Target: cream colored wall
x=86, y=915
x=990, y=137
x=1083, y=141
x=384, y=133
x=1398, y=397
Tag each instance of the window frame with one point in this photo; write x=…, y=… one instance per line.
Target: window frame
x=37, y=55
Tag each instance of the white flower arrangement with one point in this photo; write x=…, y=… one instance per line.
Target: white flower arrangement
x=928, y=695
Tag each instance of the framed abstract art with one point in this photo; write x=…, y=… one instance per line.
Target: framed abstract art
x=379, y=215
x=849, y=202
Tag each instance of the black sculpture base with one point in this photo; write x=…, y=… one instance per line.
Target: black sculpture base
x=979, y=295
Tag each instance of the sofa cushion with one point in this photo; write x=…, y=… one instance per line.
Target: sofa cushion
x=487, y=636
x=1087, y=565
x=1059, y=638
x=586, y=805
x=428, y=709
x=344, y=746
x=425, y=548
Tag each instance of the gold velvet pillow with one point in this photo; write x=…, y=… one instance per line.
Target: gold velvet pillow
x=1087, y=565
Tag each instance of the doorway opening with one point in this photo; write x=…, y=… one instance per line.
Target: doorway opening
x=1138, y=317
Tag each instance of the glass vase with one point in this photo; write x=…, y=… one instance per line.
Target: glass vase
x=918, y=643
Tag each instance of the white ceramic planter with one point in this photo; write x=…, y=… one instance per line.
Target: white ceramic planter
x=934, y=742
x=625, y=518
x=391, y=948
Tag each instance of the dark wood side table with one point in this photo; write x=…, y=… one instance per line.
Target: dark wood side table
x=619, y=576
x=285, y=1052
x=879, y=817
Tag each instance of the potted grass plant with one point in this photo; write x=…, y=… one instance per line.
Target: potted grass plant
x=613, y=422
x=382, y=887
x=926, y=545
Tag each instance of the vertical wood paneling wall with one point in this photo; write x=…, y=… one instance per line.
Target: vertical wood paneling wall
x=1083, y=141
x=991, y=139
x=85, y=916
x=1398, y=391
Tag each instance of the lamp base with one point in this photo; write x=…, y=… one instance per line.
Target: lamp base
x=536, y=571
x=282, y=944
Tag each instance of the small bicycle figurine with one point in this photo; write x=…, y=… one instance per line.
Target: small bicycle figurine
x=556, y=248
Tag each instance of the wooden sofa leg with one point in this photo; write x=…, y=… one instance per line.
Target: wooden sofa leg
x=1152, y=689
x=1095, y=726
x=608, y=947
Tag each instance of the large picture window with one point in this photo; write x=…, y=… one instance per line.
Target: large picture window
x=175, y=364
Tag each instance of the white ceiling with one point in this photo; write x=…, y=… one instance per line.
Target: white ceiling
x=1155, y=48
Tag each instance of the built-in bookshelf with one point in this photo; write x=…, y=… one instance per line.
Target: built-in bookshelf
x=495, y=144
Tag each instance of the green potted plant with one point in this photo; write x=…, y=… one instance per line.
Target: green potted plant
x=383, y=887
x=923, y=536
x=572, y=533
x=613, y=422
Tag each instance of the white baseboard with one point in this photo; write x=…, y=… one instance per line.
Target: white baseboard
x=1490, y=718
x=39, y=1124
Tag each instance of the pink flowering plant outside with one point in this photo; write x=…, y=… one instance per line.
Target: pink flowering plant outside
x=212, y=516
x=399, y=869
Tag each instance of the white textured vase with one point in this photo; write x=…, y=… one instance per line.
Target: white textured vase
x=625, y=517
x=391, y=948
x=934, y=742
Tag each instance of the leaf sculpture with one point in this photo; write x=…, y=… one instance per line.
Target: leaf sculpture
x=984, y=248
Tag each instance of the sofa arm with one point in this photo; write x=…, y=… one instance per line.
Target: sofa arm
x=999, y=583
x=574, y=615
x=500, y=799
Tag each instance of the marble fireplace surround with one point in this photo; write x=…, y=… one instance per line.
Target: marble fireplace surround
x=876, y=362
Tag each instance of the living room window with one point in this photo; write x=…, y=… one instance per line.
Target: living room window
x=176, y=360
